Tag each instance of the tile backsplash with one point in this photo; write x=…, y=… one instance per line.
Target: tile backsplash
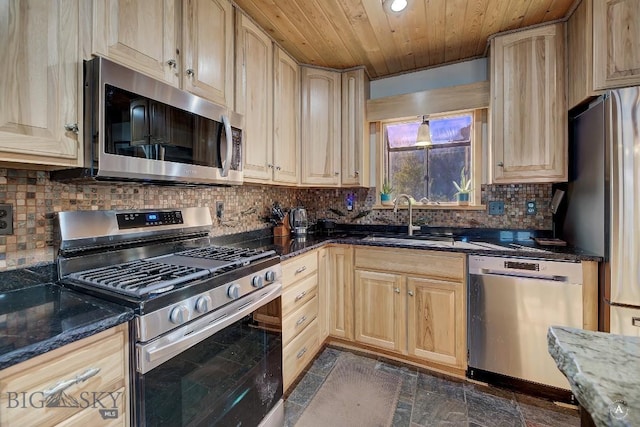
x=35, y=199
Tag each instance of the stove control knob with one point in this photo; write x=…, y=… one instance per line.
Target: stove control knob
x=257, y=282
x=234, y=291
x=203, y=304
x=270, y=276
x=179, y=315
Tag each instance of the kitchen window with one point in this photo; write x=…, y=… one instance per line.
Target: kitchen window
x=428, y=173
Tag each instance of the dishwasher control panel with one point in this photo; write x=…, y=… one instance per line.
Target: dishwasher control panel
x=521, y=265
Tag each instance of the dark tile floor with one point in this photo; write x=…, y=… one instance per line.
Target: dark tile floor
x=430, y=400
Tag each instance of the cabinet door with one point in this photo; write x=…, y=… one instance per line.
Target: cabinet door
x=529, y=117
x=140, y=34
x=254, y=98
x=379, y=309
x=320, y=127
x=341, y=292
x=616, y=38
x=39, y=81
x=580, y=54
x=436, y=321
x=208, y=50
x=286, y=119
x=355, y=129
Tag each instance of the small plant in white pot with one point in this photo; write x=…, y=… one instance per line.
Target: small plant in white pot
x=385, y=193
x=464, y=188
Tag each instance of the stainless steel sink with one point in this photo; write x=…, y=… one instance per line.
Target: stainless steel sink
x=437, y=243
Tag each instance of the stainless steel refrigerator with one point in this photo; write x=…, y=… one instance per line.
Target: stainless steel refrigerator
x=603, y=201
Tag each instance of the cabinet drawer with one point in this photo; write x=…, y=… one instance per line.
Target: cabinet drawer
x=407, y=261
x=299, y=353
x=295, y=296
x=295, y=323
x=93, y=416
x=299, y=267
x=104, y=352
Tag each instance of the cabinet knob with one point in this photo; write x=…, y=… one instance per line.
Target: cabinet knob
x=270, y=166
x=190, y=72
x=172, y=63
x=501, y=164
x=278, y=168
x=356, y=173
x=71, y=127
x=397, y=290
x=411, y=293
x=336, y=173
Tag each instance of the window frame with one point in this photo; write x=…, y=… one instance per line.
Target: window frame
x=479, y=122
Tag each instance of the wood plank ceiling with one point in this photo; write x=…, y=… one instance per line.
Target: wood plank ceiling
x=347, y=33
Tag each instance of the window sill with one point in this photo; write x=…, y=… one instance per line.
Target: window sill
x=442, y=206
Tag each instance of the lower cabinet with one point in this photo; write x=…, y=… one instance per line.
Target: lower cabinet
x=299, y=306
x=340, y=288
x=412, y=303
x=86, y=381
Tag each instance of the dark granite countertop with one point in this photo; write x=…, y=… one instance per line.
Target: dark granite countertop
x=291, y=246
x=602, y=370
x=37, y=316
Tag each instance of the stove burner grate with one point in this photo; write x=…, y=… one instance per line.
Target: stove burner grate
x=226, y=253
x=139, y=277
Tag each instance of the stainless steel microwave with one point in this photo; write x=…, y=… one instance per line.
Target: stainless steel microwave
x=138, y=128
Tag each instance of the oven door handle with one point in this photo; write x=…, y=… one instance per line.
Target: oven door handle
x=154, y=353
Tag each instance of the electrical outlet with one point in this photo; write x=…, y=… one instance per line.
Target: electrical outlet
x=531, y=207
x=219, y=209
x=6, y=219
x=496, y=208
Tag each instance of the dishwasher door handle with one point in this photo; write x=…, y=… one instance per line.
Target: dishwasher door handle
x=516, y=275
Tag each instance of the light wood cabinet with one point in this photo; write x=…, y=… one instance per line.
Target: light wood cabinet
x=286, y=119
x=254, y=97
x=208, y=50
x=299, y=307
x=142, y=35
x=355, y=129
x=190, y=48
x=379, y=310
x=100, y=366
x=324, y=310
x=528, y=106
x=39, y=82
x=616, y=43
x=412, y=302
x=436, y=320
x=321, y=127
x=341, y=292
x=580, y=54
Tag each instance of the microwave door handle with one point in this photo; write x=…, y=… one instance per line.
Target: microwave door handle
x=226, y=164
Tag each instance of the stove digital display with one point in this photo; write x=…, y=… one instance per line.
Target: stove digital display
x=148, y=219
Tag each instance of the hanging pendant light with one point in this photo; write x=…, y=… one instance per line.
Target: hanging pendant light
x=424, y=134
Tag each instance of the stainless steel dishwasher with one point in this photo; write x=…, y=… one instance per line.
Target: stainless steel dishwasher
x=512, y=302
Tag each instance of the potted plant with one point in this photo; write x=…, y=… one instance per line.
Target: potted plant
x=464, y=188
x=385, y=193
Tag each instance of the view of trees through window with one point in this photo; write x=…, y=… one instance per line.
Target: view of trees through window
x=429, y=172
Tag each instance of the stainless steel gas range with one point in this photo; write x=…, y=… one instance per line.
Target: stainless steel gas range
x=200, y=356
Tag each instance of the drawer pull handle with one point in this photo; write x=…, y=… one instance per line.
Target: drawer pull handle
x=411, y=293
x=301, y=269
x=65, y=384
x=301, y=353
x=301, y=320
x=300, y=296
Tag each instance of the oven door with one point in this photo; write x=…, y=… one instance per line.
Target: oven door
x=222, y=369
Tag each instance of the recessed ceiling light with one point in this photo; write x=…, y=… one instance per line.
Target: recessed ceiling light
x=394, y=6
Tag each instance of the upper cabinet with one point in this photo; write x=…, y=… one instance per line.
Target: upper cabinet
x=39, y=82
x=254, y=97
x=580, y=55
x=145, y=36
x=142, y=35
x=616, y=38
x=528, y=106
x=321, y=127
x=286, y=119
x=208, y=49
x=355, y=129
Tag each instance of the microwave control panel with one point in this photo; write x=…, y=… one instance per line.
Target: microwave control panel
x=148, y=219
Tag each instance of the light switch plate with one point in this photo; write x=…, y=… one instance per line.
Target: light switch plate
x=6, y=219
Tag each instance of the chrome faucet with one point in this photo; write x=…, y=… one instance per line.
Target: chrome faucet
x=395, y=210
